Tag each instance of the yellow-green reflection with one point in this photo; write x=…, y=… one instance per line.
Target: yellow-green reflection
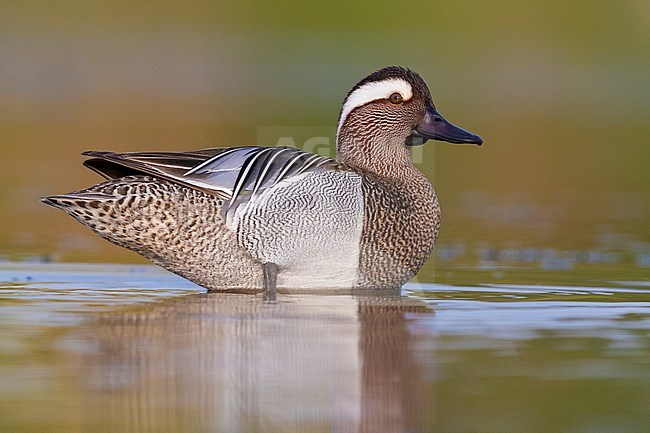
x=509, y=357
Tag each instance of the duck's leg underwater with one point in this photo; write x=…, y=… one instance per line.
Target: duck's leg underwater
x=270, y=280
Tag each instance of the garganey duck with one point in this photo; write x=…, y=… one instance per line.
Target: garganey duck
x=257, y=218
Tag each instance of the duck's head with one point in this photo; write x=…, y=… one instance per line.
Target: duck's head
x=393, y=108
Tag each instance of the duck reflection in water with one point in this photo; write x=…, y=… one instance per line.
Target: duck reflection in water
x=228, y=363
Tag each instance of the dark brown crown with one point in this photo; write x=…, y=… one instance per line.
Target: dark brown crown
x=413, y=78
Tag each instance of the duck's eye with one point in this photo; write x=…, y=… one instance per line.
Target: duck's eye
x=396, y=98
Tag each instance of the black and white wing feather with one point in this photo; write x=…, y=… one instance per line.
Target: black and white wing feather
x=233, y=173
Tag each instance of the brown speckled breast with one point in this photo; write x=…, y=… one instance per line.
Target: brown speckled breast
x=401, y=223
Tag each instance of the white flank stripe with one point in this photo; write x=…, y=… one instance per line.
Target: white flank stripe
x=214, y=158
x=269, y=163
x=242, y=180
x=286, y=168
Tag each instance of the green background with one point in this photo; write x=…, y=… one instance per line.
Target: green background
x=558, y=90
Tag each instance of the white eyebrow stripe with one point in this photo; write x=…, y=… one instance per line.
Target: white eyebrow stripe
x=372, y=92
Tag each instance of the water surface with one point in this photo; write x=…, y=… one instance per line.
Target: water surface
x=133, y=348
